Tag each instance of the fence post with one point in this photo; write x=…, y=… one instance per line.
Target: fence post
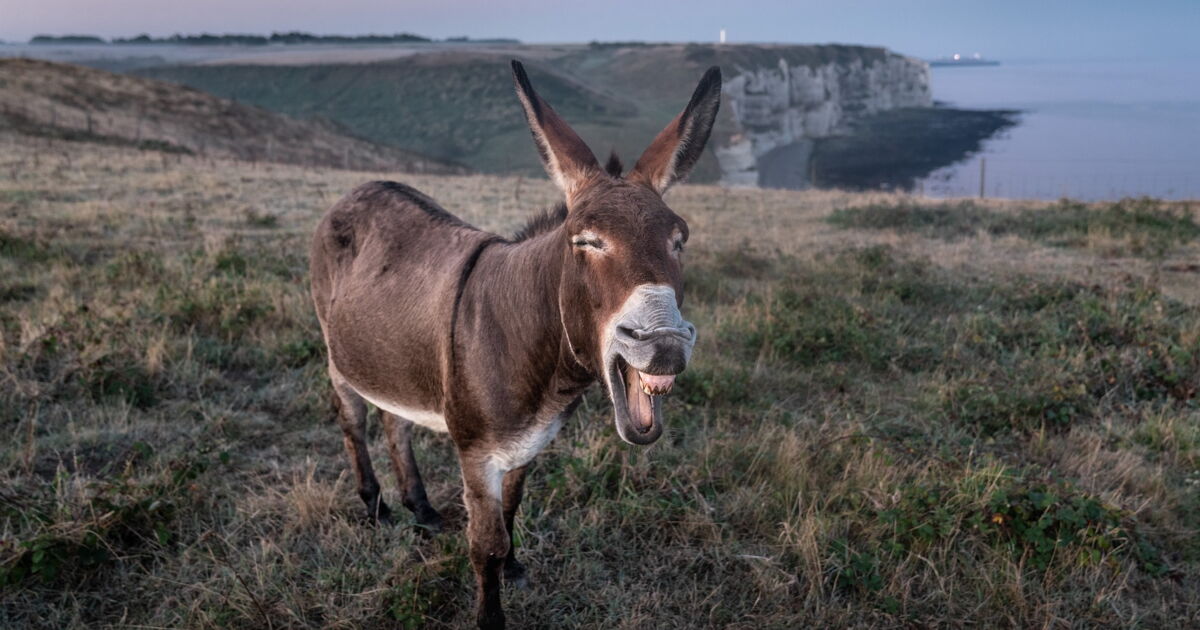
x=982, y=174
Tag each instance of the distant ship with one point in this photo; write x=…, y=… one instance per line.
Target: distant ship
x=962, y=60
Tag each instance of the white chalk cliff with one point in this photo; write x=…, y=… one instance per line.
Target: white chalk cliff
x=783, y=109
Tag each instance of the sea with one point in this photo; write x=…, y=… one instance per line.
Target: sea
x=1090, y=130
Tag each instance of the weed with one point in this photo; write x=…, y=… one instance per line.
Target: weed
x=18, y=292
x=23, y=249
x=1041, y=522
x=258, y=219
x=123, y=379
x=119, y=514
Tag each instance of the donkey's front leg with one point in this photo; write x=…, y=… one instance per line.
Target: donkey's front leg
x=486, y=534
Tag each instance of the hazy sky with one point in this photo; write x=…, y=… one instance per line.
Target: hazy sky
x=997, y=28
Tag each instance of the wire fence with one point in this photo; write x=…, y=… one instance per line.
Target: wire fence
x=1089, y=179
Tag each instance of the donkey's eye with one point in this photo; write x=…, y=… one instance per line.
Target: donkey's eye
x=587, y=239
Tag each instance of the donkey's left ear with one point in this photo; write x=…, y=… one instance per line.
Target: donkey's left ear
x=677, y=148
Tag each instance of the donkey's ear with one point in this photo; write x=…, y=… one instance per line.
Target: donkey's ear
x=677, y=148
x=566, y=157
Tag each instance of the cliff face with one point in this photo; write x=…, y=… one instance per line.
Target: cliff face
x=778, y=111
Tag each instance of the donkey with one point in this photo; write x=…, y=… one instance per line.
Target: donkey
x=494, y=340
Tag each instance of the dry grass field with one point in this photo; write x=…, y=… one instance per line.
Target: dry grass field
x=900, y=413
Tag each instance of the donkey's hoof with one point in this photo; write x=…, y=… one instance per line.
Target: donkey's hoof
x=429, y=522
x=490, y=620
x=515, y=574
x=382, y=515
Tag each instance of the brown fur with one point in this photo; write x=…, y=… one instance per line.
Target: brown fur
x=498, y=337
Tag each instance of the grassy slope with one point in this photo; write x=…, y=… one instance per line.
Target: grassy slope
x=72, y=102
x=457, y=106
x=460, y=106
x=955, y=417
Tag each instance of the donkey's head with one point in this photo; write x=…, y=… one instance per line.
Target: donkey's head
x=622, y=280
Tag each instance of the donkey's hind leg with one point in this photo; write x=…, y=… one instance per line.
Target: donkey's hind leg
x=408, y=477
x=513, y=487
x=351, y=414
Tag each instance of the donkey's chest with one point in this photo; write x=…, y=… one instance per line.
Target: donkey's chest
x=519, y=448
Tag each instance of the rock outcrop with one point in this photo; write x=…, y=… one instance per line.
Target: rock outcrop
x=779, y=111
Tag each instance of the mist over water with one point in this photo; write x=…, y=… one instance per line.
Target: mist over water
x=1090, y=130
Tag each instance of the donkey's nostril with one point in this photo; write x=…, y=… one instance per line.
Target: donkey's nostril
x=625, y=332
x=634, y=335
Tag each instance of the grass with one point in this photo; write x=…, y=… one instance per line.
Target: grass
x=1128, y=227
x=877, y=430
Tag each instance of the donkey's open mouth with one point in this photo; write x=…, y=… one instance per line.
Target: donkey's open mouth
x=648, y=346
x=637, y=401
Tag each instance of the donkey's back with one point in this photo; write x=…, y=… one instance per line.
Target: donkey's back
x=386, y=263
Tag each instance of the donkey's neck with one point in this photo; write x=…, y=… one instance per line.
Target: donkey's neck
x=510, y=304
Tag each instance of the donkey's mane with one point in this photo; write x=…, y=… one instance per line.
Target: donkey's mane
x=541, y=223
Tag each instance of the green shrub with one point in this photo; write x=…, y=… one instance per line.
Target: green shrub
x=1036, y=521
x=1039, y=521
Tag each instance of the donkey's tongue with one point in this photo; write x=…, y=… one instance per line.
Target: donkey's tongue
x=640, y=389
x=639, y=403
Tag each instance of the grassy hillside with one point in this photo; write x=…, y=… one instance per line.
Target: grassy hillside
x=458, y=106
x=899, y=413
x=51, y=100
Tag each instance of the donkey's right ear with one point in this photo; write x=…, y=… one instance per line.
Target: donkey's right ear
x=566, y=157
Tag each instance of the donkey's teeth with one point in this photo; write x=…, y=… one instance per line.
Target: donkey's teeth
x=655, y=384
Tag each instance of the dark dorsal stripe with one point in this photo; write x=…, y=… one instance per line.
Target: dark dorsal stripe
x=418, y=199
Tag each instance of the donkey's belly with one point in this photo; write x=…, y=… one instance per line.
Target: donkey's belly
x=428, y=419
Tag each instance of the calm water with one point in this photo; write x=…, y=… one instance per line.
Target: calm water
x=1091, y=130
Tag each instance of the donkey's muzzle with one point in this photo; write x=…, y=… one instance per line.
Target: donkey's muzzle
x=661, y=349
